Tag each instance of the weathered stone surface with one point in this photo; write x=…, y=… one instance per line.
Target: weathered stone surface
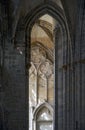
x=69, y=70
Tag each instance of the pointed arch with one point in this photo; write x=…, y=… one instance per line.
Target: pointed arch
x=61, y=70
x=58, y=14
x=40, y=106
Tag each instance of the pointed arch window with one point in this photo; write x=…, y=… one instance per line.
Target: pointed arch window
x=61, y=44
x=41, y=77
x=44, y=119
x=41, y=72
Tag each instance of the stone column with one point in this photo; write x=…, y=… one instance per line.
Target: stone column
x=80, y=67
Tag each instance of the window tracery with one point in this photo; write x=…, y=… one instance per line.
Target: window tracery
x=41, y=76
x=41, y=84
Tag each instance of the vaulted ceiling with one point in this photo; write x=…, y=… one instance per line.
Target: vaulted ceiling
x=42, y=31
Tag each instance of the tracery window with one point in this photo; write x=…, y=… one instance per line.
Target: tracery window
x=41, y=73
x=41, y=86
x=41, y=77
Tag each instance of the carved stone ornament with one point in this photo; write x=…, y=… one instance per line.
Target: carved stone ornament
x=46, y=68
x=37, y=55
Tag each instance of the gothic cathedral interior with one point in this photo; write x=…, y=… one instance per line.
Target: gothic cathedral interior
x=42, y=65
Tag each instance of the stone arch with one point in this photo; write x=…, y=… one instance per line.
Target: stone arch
x=62, y=73
x=38, y=109
x=40, y=106
x=57, y=13
x=24, y=27
x=48, y=7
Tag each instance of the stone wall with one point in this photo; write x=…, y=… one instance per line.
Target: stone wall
x=13, y=82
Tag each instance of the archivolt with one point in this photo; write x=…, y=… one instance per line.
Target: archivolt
x=58, y=14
